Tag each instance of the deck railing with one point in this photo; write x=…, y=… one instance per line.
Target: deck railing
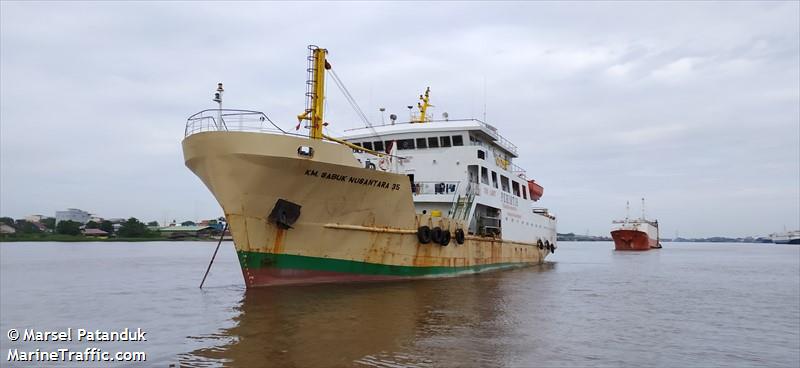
x=518, y=171
x=499, y=139
x=230, y=120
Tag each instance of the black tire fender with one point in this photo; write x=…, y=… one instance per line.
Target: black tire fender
x=460, y=236
x=540, y=244
x=445, y=238
x=424, y=234
x=436, y=234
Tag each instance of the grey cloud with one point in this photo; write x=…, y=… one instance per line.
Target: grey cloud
x=694, y=105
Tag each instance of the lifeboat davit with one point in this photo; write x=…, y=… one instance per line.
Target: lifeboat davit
x=535, y=189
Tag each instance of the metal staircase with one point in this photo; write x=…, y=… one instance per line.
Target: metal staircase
x=462, y=206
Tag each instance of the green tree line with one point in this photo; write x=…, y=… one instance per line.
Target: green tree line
x=131, y=228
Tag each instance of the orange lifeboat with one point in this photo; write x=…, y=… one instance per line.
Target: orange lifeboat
x=535, y=189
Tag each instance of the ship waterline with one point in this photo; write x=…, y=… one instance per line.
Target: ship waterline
x=355, y=224
x=262, y=269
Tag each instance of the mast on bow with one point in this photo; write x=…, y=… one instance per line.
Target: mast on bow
x=315, y=91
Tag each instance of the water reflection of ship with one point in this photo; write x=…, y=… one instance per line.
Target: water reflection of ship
x=361, y=324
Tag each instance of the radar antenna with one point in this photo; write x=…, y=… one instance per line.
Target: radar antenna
x=423, y=107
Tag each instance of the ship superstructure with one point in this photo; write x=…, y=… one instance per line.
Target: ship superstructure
x=462, y=169
x=416, y=199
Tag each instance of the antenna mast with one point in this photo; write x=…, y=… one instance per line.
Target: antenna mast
x=643, y=217
x=484, y=98
x=218, y=100
x=627, y=210
x=423, y=107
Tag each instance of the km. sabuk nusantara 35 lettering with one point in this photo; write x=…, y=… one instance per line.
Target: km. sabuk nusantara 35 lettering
x=423, y=198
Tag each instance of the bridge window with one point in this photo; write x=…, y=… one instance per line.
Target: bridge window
x=494, y=179
x=422, y=143
x=472, y=170
x=445, y=141
x=367, y=145
x=433, y=142
x=504, y=184
x=357, y=144
x=482, y=154
x=405, y=144
x=458, y=140
x=515, y=187
x=378, y=146
x=524, y=192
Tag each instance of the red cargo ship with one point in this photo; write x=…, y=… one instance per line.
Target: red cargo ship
x=635, y=234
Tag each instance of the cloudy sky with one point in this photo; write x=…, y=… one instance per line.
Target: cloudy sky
x=695, y=106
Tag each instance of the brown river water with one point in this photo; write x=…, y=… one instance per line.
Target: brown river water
x=687, y=305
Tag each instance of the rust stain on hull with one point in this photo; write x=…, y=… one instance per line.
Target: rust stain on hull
x=277, y=247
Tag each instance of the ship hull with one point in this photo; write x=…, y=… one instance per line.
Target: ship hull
x=355, y=224
x=633, y=240
x=266, y=269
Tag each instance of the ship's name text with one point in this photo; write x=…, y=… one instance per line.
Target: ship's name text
x=353, y=180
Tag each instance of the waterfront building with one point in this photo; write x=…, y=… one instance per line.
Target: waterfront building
x=5, y=229
x=179, y=232
x=94, y=233
x=35, y=218
x=73, y=214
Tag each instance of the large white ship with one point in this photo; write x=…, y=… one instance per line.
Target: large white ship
x=786, y=237
x=408, y=199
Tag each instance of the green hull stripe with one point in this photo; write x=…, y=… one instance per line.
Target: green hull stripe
x=256, y=260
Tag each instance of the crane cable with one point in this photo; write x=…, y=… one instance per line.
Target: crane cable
x=352, y=102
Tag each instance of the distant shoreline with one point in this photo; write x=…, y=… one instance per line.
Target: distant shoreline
x=677, y=241
x=712, y=239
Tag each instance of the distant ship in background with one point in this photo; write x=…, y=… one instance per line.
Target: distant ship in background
x=786, y=237
x=635, y=234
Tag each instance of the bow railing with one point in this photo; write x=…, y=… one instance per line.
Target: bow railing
x=230, y=120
